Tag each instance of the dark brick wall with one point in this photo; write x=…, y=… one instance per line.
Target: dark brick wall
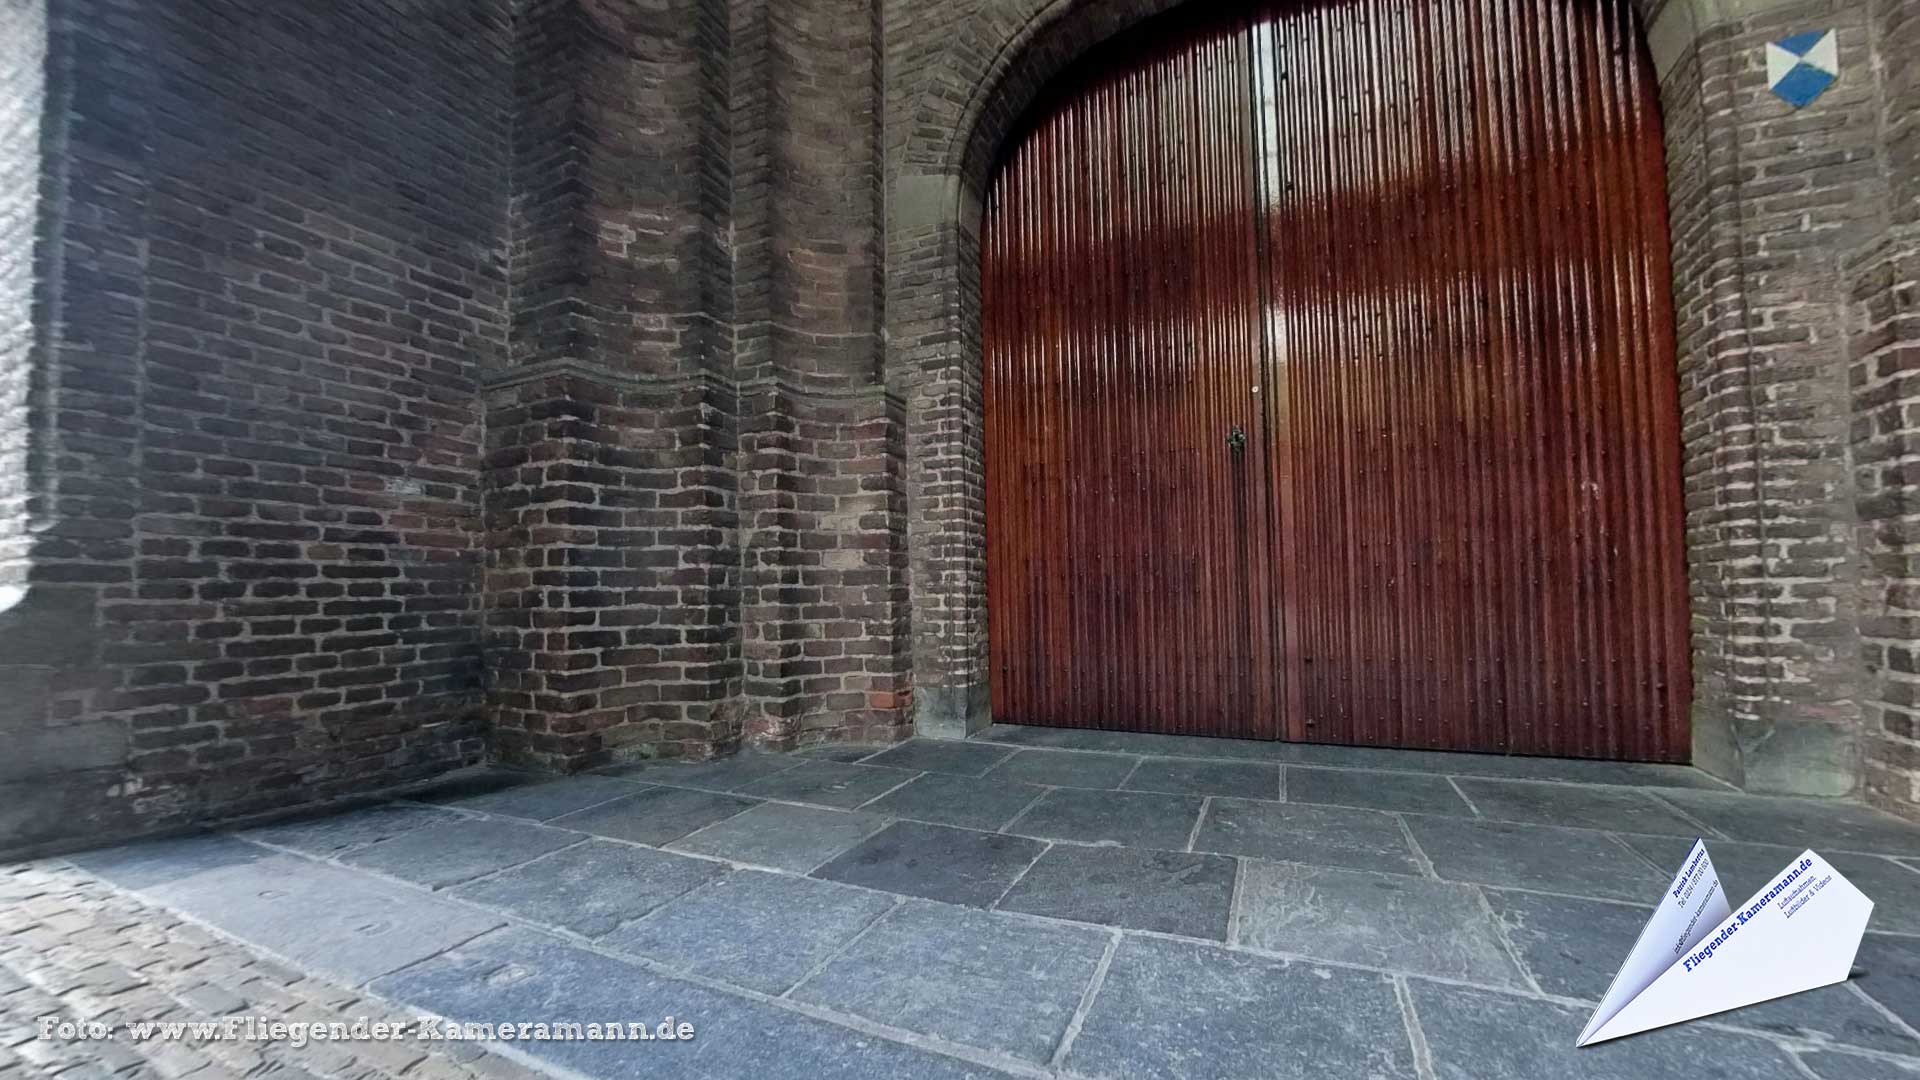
x=1770, y=203
x=613, y=559
x=576, y=380
x=823, y=602
x=695, y=503
x=1714, y=402
x=610, y=525
x=1796, y=286
x=1886, y=358
x=274, y=275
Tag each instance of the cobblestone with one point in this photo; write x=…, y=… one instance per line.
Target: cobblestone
x=73, y=948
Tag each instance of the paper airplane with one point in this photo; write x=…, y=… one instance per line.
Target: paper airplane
x=1697, y=957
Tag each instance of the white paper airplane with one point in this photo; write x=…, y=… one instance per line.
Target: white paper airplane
x=1697, y=957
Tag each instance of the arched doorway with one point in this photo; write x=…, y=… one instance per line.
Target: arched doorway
x=1330, y=388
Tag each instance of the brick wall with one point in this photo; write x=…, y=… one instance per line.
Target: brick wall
x=1769, y=203
x=959, y=77
x=823, y=601
x=273, y=276
x=694, y=465
x=1794, y=273
x=1886, y=355
x=1720, y=496
x=613, y=559
x=575, y=380
x=610, y=532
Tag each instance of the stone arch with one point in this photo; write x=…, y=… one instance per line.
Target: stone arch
x=975, y=81
x=961, y=96
x=1761, y=699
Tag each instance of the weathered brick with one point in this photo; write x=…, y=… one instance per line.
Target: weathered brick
x=572, y=380
x=233, y=386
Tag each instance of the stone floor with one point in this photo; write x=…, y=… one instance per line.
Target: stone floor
x=73, y=950
x=1040, y=902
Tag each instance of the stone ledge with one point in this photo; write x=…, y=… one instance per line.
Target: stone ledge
x=1682, y=22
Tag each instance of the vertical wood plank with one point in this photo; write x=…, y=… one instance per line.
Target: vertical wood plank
x=1415, y=252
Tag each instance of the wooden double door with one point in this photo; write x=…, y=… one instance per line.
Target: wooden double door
x=1330, y=385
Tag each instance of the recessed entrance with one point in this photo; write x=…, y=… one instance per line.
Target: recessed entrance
x=1330, y=386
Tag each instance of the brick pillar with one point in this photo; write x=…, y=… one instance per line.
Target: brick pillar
x=946, y=475
x=1768, y=205
x=64, y=759
x=610, y=533
x=821, y=494
x=1886, y=401
x=612, y=563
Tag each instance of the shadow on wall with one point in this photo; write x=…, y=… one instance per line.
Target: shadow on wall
x=34, y=646
x=48, y=639
x=23, y=48
x=251, y=266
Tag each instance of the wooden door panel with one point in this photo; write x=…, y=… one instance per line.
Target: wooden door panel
x=1415, y=250
x=1122, y=286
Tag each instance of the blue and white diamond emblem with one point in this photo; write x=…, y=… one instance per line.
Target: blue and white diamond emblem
x=1801, y=67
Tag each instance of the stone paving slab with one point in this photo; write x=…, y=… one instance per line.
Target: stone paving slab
x=1320, y=835
x=724, y=774
x=517, y=973
x=1628, y=773
x=1020, y=982
x=935, y=755
x=1502, y=766
x=843, y=752
x=1573, y=948
x=591, y=887
x=1125, y=818
x=333, y=834
x=1169, y=892
x=753, y=929
x=1128, y=742
x=466, y=783
x=457, y=851
x=829, y=783
x=963, y=801
x=1170, y=1010
x=1244, y=780
x=347, y=925
x=72, y=946
x=1389, y=921
x=1375, y=790
x=1887, y=969
x=1052, y=769
x=541, y=802
x=1831, y=1065
x=1621, y=810
x=934, y=862
x=1830, y=1015
x=1744, y=869
x=1799, y=823
x=1482, y=1035
x=655, y=815
x=1534, y=857
x=163, y=862
x=1352, y=889
x=795, y=838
